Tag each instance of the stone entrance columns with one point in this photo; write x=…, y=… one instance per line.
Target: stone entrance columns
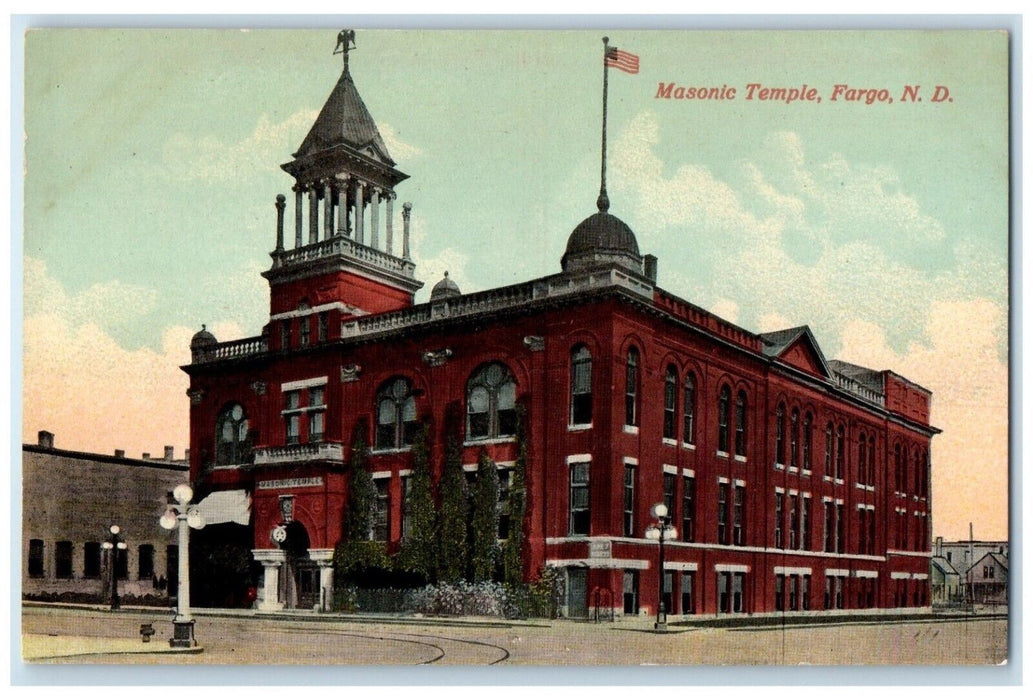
x=272, y=561
x=325, y=559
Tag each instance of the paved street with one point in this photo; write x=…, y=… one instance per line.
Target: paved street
x=61, y=635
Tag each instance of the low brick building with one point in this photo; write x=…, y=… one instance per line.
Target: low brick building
x=70, y=499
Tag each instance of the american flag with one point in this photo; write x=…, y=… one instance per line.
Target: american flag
x=622, y=60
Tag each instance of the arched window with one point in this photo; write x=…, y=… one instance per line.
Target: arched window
x=780, y=434
x=670, y=402
x=690, y=410
x=862, y=458
x=631, y=388
x=840, y=451
x=491, y=403
x=723, y=407
x=740, y=424
x=580, y=386
x=794, y=437
x=396, y=414
x=232, y=443
x=807, y=420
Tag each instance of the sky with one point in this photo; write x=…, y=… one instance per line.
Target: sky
x=152, y=166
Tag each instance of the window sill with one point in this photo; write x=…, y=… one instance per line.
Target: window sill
x=688, y=446
x=740, y=458
x=631, y=429
x=577, y=427
x=779, y=466
x=805, y=472
x=489, y=441
x=838, y=482
x=671, y=442
x=389, y=450
x=826, y=478
x=722, y=455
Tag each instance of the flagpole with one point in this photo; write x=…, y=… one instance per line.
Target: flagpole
x=603, y=203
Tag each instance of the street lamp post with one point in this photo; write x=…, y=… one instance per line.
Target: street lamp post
x=661, y=530
x=113, y=545
x=185, y=516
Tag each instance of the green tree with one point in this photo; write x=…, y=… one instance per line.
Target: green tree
x=452, y=517
x=418, y=553
x=357, y=551
x=512, y=563
x=484, y=545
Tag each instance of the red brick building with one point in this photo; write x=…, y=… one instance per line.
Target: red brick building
x=793, y=482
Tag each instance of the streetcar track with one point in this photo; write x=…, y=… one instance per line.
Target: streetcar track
x=505, y=652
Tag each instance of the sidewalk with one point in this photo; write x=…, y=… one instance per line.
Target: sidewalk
x=40, y=647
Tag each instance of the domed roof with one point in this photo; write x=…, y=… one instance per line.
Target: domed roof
x=601, y=238
x=445, y=289
x=202, y=339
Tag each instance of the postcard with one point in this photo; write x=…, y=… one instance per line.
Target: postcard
x=515, y=348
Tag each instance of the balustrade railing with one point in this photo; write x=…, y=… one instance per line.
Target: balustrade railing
x=231, y=349
x=303, y=452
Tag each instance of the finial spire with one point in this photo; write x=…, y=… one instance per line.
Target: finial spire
x=345, y=43
x=603, y=202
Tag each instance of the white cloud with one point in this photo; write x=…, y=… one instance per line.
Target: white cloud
x=212, y=160
x=82, y=385
x=399, y=149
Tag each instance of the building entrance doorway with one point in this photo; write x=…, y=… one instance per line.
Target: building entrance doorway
x=302, y=574
x=577, y=592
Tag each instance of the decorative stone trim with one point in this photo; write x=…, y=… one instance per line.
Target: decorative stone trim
x=436, y=358
x=534, y=343
x=195, y=396
x=350, y=373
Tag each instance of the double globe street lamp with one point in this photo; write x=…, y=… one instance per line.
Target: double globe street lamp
x=112, y=545
x=186, y=516
x=661, y=530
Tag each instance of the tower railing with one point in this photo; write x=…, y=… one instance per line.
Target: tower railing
x=348, y=247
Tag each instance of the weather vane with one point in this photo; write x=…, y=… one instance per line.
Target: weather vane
x=345, y=43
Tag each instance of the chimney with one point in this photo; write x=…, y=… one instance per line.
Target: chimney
x=939, y=546
x=186, y=455
x=169, y=453
x=120, y=454
x=46, y=439
x=649, y=263
x=146, y=455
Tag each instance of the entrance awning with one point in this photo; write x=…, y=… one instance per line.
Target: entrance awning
x=226, y=507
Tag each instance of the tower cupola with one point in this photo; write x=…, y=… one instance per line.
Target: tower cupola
x=345, y=251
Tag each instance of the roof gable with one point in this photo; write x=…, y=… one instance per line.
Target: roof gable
x=798, y=348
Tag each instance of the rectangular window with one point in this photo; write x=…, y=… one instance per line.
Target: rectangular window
x=91, y=560
x=739, y=517
x=629, y=500
x=778, y=519
x=724, y=585
x=722, y=513
x=840, y=529
x=285, y=334
x=862, y=531
x=794, y=583
x=688, y=509
x=303, y=336
x=580, y=515
x=805, y=524
x=670, y=404
x=805, y=592
x=381, y=519
x=36, y=558
x=324, y=326
x=780, y=584
x=63, y=560
x=829, y=527
x=145, y=563
x=794, y=511
x=689, y=427
x=670, y=483
x=121, y=563
x=688, y=600
x=668, y=591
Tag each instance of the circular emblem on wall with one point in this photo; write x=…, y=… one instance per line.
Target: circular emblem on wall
x=279, y=534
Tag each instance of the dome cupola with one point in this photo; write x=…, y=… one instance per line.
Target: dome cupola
x=445, y=289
